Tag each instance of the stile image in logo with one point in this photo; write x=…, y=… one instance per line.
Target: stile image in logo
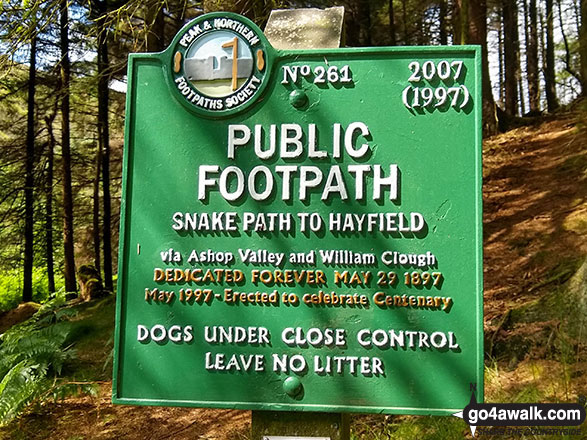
x=292, y=236
x=219, y=64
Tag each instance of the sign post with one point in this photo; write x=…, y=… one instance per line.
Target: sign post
x=301, y=230
x=274, y=425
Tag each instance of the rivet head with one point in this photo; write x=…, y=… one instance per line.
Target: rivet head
x=298, y=98
x=292, y=386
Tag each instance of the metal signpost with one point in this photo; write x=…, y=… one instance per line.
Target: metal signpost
x=301, y=230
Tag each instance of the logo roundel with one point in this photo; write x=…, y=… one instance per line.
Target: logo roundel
x=219, y=64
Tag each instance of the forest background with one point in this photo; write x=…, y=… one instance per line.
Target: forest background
x=62, y=96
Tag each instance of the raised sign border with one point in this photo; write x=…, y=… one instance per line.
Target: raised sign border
x=163, y=59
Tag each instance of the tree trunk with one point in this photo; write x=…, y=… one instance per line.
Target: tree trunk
x=442, y=22
x=501, y=66
x=568, y=67
x=351, y=30
x=532, y=58
x=155, y=24
x=420, y=28
x=478, y=35
x=521, y=95
x=365, y=23
x=104, y=145
x=49, y=204
x=392, y=39
x=549, y=77
x=96, y=209
x=461, y=21
x=405, y=20
x=511, y=47
x=27, y=289
x=70, y=282
x=583, y=46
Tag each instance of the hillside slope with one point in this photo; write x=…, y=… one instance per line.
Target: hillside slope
x=535, y=209
x=535, y=237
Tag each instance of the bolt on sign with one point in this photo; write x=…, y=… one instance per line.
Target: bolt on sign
x=301, y=230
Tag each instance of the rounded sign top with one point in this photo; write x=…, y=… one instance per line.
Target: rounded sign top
x=219, y=64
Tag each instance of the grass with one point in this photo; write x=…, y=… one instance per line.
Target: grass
x=407, y=427
x=532, y=381
x=11, y=287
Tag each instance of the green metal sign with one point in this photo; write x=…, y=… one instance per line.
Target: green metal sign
x=301, y=230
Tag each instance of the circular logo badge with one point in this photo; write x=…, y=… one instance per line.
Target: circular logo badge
x=219, y=63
